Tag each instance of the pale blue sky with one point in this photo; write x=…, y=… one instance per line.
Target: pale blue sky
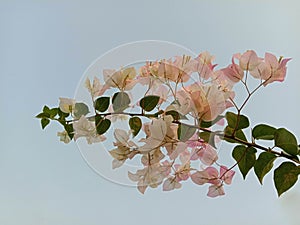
x=45, y=46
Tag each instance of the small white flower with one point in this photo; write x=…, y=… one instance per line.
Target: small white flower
x=64, y=137
x=122, y=79
x=87, y=129
x=66, y=105
x=95, y=89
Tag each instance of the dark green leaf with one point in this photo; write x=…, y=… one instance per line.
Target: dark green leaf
x=208, y=137
x=149, y=102
x=185, y=132
x=69, y=129
x=135, y=124
x=286, y=141
x=48, y=113
x=62, y=115
x=46, y=109
x=53, y=112
x=120, y=101
x=102, y=103
x=263, y=165
x=176, y=115
x=207, y=124
x=237, y=122
x=80, y=109
x=264, y=132
x=44, y=122
x=285, y=176
x=102, y=124
x=42, y=115
x=239, y=134
x=245, y=157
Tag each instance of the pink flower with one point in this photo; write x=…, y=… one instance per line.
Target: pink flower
x=209, y=175
x=170, y=184
x=226, y=175
x=205, y=66
x=233, y=72
x=271, y=69
x=206, y=153
x=215, y=190
x=178, y=70
x=208, y=101
x=195, y=141
x=249, y=60
x=165, y=168
x=183, y=169
x=151, y=176
x=123, y=79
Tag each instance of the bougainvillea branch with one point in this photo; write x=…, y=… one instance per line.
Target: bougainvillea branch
x=179, y=110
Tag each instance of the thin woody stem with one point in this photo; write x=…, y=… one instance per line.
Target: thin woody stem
x=248, y=144
x=217, y=133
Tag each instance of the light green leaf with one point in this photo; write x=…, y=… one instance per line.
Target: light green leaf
x=80, y=109
x=120, y=101
x=285, y=176
x=185, y=132
x=263, y=165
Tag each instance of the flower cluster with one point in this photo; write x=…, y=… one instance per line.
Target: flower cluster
x=176, y=124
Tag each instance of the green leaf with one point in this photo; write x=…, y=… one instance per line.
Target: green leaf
x=237, y=122
x=46, y=109
x=208, y=137
x=42, y=115
x=176, y=115
x=264, y=132
x=120, y=101
x=135, y=124
x=48, y=113
x=101, y=104
x=80, y=109
x=245, y=157
x=185, y=132
x=69, y=129
x=149, y=102
x=53, y=112
x=263, y=165
x=238, y=134
x=285, y=176
x=62, y=115
x=207, y=124
x=102, y=124
x=286, y=141
x=44, y=122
